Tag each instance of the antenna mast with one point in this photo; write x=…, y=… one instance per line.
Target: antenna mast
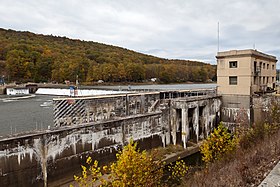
x=218, y=36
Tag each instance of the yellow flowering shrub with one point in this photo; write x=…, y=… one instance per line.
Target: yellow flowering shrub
x=91, y=174
x=135, y=168
x=177, y=171
x=132, y=168
x=219, y=142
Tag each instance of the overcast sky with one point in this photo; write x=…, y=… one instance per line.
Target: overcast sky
x=180, y=29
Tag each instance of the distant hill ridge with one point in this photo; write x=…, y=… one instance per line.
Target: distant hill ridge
x=25, y=56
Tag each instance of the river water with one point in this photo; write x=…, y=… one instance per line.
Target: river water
x=21, y=115
x=36, y=113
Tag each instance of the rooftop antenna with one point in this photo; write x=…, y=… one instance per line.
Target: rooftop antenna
x=254, y=46
x=218, y=36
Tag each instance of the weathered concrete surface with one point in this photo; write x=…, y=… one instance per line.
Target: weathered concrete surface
x=99, y=127
x=194, y=118
x=235, y=110
x=262, y=107
x=273, y=178
x=246, y=110
x=71, y=111
x=37, y=159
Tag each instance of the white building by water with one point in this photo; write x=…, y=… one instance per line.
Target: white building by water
x=17, y=91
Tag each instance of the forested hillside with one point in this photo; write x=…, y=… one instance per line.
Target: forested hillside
x=26, y=56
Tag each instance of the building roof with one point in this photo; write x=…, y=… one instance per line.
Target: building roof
x=246, y=52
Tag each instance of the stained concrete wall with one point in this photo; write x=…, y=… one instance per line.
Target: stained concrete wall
x=34, y=159
x=262, y=106
x=71, y=111
x=198, y=118
x=246, y=110
x=106, y=124
x=236, y=109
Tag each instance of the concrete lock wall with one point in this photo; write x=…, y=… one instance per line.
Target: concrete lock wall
x=246, y=110
x=193, y=119
x=235, y=109
x=151, y=119
x=44, y=158
x=262, y=106
x=73, y=111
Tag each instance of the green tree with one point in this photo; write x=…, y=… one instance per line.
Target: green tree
x=121, y=72
x=15, y=64
x=135, y=72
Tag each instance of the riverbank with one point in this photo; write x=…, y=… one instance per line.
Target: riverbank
x=247, y=167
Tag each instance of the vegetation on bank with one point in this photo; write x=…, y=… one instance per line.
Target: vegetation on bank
x=219, y=143
x=25, y=56
x=256, y=151
x=132, y=168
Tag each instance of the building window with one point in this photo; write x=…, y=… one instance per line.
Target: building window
x=255, y=80
x=267, y=66
x=232, y=64
x=272, y=66
x=263, y=80
x=233, y=80
x=272, y=79
x=263, y=65
x=267, y=80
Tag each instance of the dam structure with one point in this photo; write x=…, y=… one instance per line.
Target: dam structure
x=100, y=126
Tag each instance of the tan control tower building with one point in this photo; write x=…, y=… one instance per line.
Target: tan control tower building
x=242, y=74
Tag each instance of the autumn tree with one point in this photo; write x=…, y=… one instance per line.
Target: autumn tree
x=39, y=58
x=132, y=168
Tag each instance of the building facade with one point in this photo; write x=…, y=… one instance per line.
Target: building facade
x=245, y=72
x=241, y=75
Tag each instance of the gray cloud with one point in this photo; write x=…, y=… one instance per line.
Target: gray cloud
x=170, y=29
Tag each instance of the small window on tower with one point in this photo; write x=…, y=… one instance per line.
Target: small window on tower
x=233, y=80
x=232, y=64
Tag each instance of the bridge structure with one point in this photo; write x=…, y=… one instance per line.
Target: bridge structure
x=99, y=126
